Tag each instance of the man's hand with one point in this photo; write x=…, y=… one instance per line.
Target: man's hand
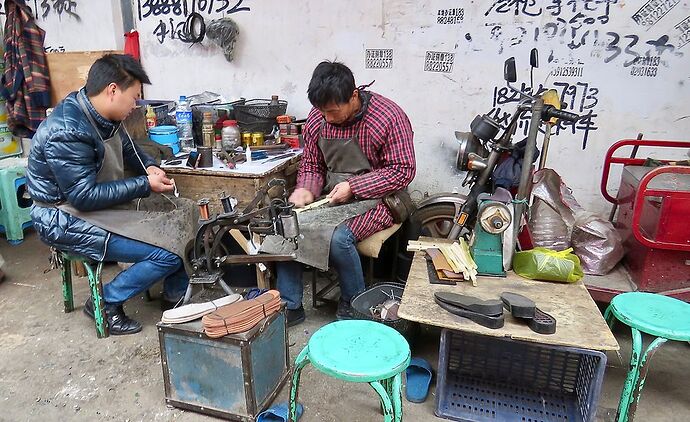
x=160, y=183
x=155, y=170
x=301, y=197
x=340, y=194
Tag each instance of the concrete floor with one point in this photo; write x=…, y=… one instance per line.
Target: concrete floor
x=53, y=368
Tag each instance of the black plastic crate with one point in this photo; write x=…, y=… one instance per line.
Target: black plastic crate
x=482, y=378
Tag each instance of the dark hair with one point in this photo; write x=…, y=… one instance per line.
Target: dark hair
x=330, y=82
x=121, y=69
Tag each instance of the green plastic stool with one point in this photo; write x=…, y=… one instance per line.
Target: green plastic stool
x=96, y=287
x=358, y=351
x=14, y=209
x=663, y=317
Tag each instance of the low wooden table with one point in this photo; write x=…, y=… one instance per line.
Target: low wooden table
x=579, y=322
x=242, y=182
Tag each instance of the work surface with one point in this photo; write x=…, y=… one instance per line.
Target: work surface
x=579, y=322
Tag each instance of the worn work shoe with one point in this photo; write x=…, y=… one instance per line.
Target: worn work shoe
x=344, y=310
x=295, y=316
x=118, y=323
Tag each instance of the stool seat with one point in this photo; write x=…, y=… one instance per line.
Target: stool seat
x=359, y=351
x=654, y=314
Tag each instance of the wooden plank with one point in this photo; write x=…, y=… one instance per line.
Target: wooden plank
x=579, y=321
x=68, y=71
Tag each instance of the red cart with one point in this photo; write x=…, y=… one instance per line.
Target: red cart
x=653, y=221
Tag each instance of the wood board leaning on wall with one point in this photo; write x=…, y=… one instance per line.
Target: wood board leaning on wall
x=68, y=71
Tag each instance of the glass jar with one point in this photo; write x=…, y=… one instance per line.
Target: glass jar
x=230, y=135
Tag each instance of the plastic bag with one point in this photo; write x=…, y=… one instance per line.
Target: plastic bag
x=597, y=243
x=549, y=265
x=552, y=214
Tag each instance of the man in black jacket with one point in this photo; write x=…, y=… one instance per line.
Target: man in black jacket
x=76, y=179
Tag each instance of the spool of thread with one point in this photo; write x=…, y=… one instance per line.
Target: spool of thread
x=205, y=157
x=203, y=208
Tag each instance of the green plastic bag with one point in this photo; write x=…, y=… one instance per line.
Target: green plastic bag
x=545, y=264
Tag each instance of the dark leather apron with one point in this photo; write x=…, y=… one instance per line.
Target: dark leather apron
x=159, y=220
x=344, y=159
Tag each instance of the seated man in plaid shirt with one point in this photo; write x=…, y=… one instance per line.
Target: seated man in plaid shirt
x=357, y=145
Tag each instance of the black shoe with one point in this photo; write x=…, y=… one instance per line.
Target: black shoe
x=169, y=304
x=295, y=316
x=344, y=311
x=118, y=322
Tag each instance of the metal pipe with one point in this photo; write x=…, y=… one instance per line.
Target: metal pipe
x=525, y=186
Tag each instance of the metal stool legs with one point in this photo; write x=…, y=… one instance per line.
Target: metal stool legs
x=301, y=361
x=95, y=287
x=637, y=373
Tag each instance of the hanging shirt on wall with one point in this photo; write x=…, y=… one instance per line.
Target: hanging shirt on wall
x=26, y=83
x=385, y=137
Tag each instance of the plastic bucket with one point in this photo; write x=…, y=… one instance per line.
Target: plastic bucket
x=166, y=135
x=377, y=294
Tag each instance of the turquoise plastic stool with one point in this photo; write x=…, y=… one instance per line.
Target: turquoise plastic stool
x=95, y=285
x=358, y=351
x=14, y=210
x=662, y=317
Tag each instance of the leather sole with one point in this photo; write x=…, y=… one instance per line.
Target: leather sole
x=491, y=307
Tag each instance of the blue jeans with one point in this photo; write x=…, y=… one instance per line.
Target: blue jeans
x=343, y=257
x=151, y=264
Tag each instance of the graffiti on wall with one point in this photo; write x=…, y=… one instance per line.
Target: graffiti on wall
x=46, y=8
x=172, y=14
x=577, y=97
x=378, y=58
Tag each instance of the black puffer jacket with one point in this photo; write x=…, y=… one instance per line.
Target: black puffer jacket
x=66, y=154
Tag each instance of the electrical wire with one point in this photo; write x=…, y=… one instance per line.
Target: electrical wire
x=193, y=21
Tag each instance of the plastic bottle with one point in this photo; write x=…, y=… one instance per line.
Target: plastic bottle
x=183, y=116
x=274, y=100
x=230, y=135
x=248, y=155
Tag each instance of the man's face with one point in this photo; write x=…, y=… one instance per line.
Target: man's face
x=338, y=114
x=123, y=101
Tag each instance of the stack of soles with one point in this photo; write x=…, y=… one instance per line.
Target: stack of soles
x=241, y=316
x=186, y=313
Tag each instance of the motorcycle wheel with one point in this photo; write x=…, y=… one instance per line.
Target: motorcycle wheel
x=435, y=220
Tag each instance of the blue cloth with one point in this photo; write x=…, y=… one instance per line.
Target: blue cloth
x=150, y=265
x=278, y=413
x=66, y=154
x=343, y=257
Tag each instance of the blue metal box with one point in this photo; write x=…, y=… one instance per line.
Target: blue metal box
x=233, y=377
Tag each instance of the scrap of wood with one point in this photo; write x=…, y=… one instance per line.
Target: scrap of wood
x=419, y=245
x=457, y=254
x=313, y=205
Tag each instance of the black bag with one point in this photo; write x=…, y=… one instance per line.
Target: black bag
x=400, y=204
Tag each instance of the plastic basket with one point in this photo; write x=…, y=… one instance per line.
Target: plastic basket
x=483, y=378
x=378, y=294
x=259, y=115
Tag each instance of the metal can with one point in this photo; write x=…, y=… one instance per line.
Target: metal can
x=246, y=139
x=257, y=138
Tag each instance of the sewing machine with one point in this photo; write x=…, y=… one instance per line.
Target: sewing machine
x=210, y=259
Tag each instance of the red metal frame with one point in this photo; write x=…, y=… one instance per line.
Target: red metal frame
x=604, y=294
x=626, y=161
x=639, y=202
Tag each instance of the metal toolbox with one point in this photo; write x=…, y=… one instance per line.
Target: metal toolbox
x=233, y=377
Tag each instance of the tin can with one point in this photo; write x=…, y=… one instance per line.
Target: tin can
x=257, y=138
x=246, y=139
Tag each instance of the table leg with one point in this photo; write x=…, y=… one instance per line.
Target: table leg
x=642, y=375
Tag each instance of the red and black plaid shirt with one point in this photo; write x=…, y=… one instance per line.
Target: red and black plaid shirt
x=386, y=139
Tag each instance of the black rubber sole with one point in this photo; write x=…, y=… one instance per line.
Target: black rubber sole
x=518, y=305
x=489, y=321
x=542, y=322
x=491, y=307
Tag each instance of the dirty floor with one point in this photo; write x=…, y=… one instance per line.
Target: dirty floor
x=53, y=368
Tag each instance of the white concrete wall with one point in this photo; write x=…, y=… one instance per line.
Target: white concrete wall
x=593, y=42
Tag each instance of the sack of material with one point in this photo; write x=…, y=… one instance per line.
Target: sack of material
x=241, y=316
x=597, y=243
x=548, y=265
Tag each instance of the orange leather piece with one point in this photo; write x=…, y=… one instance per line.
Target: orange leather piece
x=241, y=316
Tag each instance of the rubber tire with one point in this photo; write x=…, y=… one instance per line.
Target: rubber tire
x=434, y=220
